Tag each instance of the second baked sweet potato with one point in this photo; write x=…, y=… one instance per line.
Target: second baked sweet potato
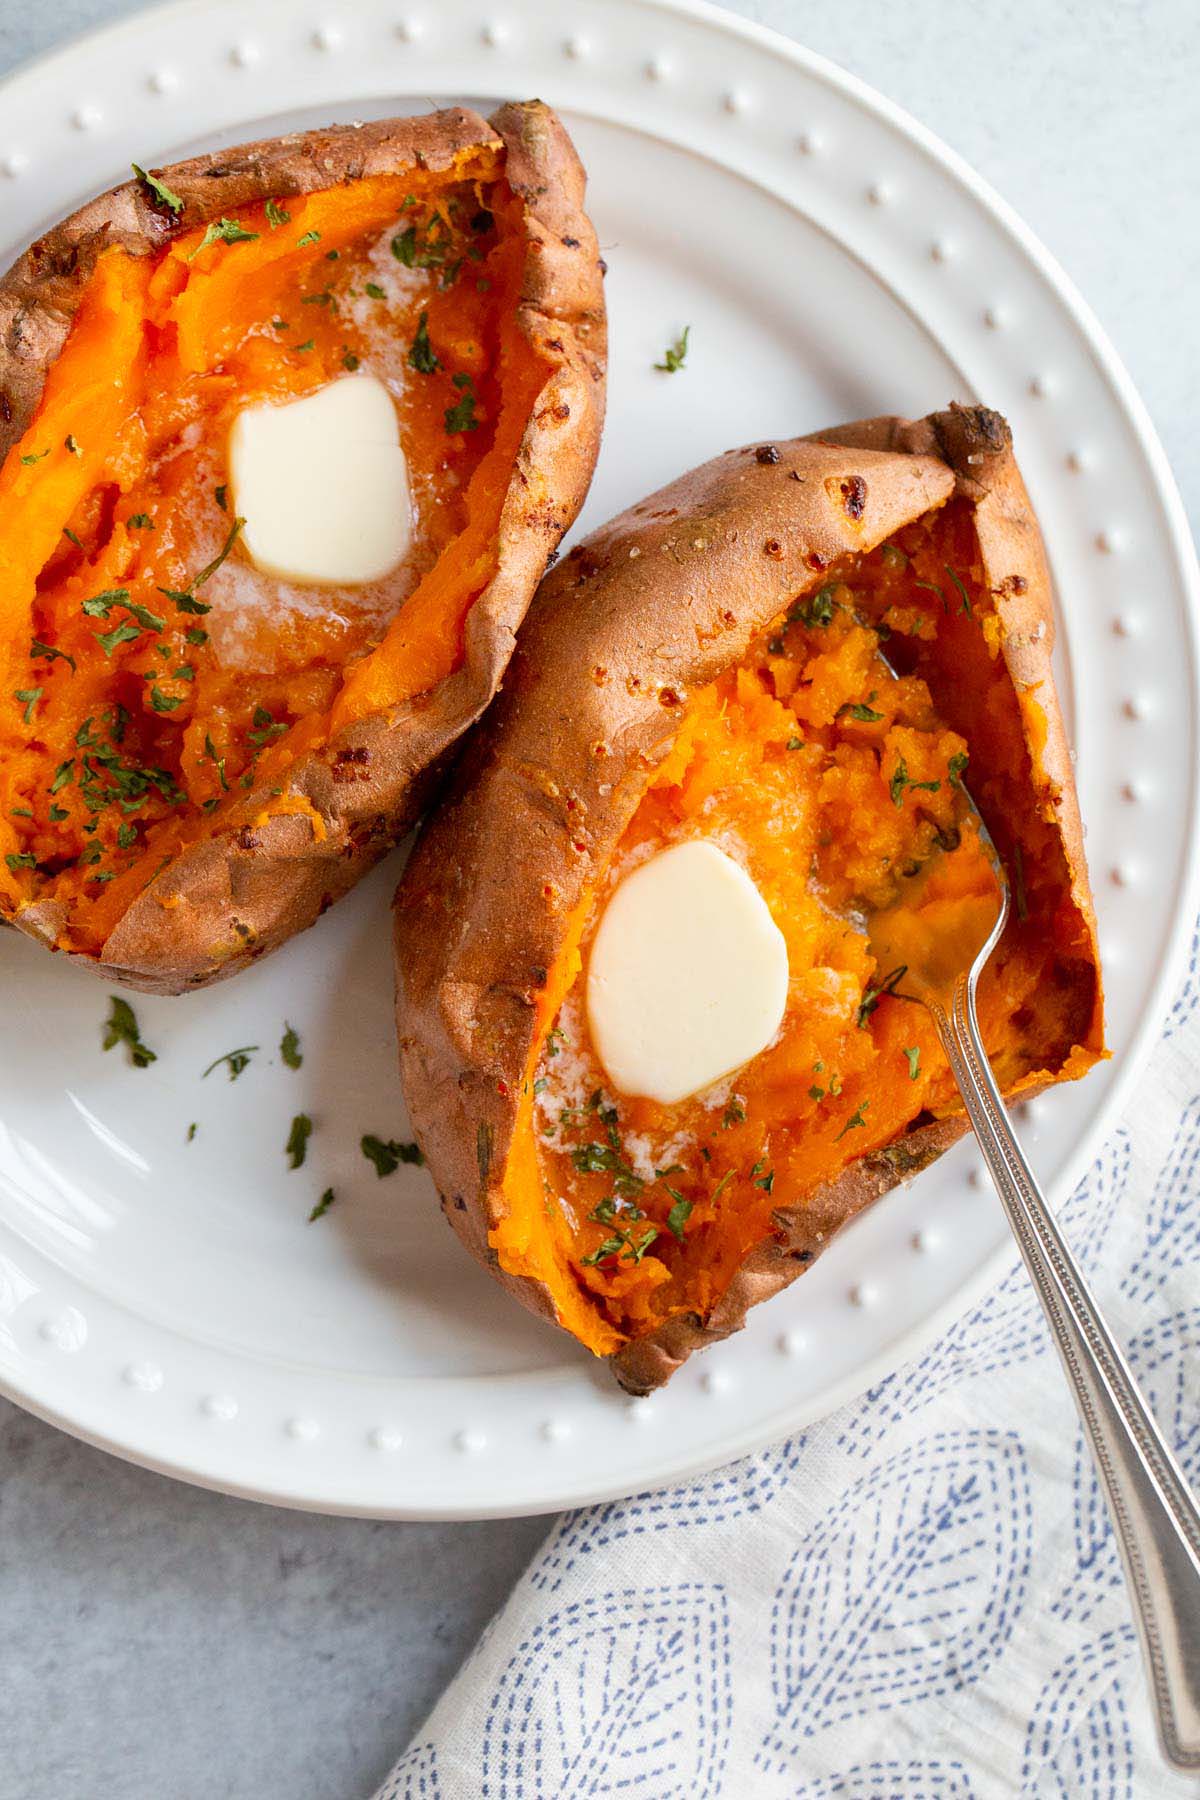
x=707, y=667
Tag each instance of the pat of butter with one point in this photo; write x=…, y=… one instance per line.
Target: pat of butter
x=323, y=485
x=688, y=976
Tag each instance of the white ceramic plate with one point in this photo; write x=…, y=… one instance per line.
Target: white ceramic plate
x=168, y=1300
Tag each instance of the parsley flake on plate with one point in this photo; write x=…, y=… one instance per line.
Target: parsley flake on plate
x=121, y=1027
x=388, y=1153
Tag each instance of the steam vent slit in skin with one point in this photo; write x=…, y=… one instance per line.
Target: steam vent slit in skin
x=715, y=1073
x=291, y=419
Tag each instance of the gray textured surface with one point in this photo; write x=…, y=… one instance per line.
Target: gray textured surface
x=165, y=1644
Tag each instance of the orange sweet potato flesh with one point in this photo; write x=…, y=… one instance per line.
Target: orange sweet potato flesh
x=722, y=642
x=195, y=759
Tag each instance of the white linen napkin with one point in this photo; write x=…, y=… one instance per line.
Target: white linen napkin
x=918, y=1599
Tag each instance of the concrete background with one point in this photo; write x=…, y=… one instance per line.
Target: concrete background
x=161, y=1643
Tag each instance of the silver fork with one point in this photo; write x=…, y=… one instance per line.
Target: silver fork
x=1153, y=1511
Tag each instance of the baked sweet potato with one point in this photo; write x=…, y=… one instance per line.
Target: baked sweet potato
x=196, y=758
x=707, y=665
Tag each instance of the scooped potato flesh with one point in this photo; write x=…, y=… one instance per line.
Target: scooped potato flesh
x=832, y=774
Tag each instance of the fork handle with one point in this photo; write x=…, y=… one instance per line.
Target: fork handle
x=1155, y=1515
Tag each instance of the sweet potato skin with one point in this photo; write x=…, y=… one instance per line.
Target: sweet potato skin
x=232, y=898
x=549, y=783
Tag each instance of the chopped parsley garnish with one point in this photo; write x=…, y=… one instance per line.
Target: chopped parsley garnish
x=606, y=1159
x=350, y=361
x=196, y=635
x=165, y=703
x=126, y=836
x=104, y=777
x=71, y=537
x=675, y=354
x=373, y=291
x=874, y=994
x=306, y=345
x=218, y=762
x=121, y=1027
x=158, y=190
x=276, y=215
x=70, y=445
x=931, y=587
x=185, y=598
x=309, y=237
x=913, y=1058
x=135, y=522
x=101, y=605
x=679, y=1214
x=555, y=1040
x=220, y=495
x=237, y=1060
x=30, y=697
x=816, y=610
x=610, y=1246
x=963, y=595
x=289, y=1046
x=734, y=1114
x=863, y=714
x=767, y=1181
x=192, y=1130
x=388, y=1153
x=124, y=633
x=223, y=231
x=428, y=250
x=323, y=1205
x=24, y=859
x=34, y=456
x=266, y=727
x=423, y=357
x=297, y=1145
x=461, y=416
x=794, y=743
x=956, y=766
x=622, y=1244
x=901, y=782
x=324, y=298
x=854, y=1122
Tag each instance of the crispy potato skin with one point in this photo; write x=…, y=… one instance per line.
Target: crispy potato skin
x=228, y=900
x=651, y=606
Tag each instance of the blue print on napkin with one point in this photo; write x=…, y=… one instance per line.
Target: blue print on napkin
x=1078, y=1745
x=628, y=1693
x=1173, y=1225
x=909, y=1587
x=893, y=1781
x=743, y=1488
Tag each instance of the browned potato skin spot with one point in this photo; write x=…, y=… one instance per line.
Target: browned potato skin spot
x=225, y=902
x=532, y=815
